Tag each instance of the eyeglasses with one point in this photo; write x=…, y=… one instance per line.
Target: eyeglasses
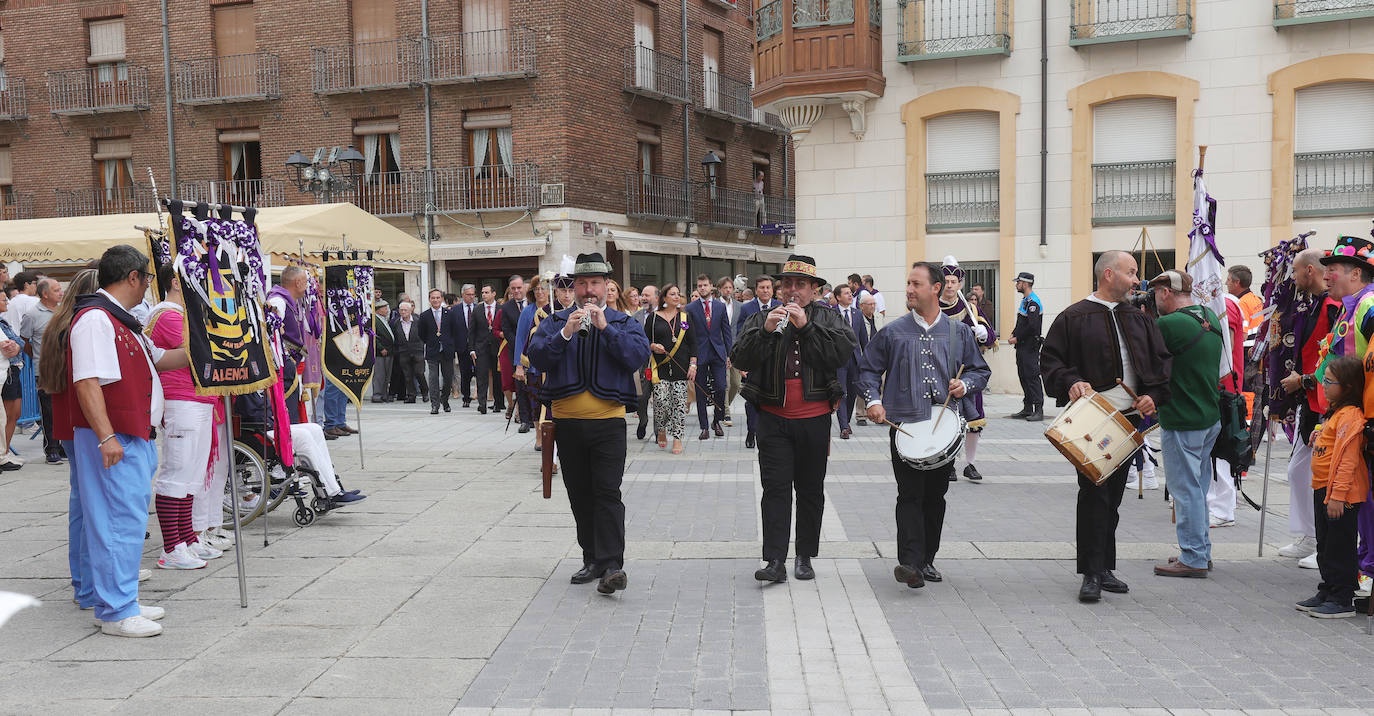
x=1330, y=381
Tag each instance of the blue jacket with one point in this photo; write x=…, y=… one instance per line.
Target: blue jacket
x=856, y=317
x=911, y=368
x=603, y=363
x=713, y=344
x=441, y=345
x=751, y=307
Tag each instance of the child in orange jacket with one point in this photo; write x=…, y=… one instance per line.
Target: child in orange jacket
x=1340, y=481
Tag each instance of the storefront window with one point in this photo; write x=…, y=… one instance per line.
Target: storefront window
x=754, y=269
x=715, y=268
x=652, y=269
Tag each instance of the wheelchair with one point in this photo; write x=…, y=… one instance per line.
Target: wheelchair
x=259, y=472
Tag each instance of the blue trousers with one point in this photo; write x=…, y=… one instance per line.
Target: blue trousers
x=77, y=556
x=335, y=406
x=114, y=515
x=1188, y=467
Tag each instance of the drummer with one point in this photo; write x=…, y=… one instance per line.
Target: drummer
x=1091, y=347
x=919, y=355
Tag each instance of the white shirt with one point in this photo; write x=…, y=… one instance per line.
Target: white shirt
x=1118, y=397
x=93, y=355
x=19, y=305
x=405, y=327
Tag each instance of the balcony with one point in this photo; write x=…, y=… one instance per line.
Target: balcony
x=481, y=56
x=811, y=53
x=724, y=97
x=653, y=196
x=18, y=205
x=781, y=209
x=1333, y=183
x=1096, y=21
x=242, y=192
x=366, y=66
x=233, y=78
x=934, y=29
x=97, y=90
x=726, y=207
x=456, y=189
x=14, y=102
x=963, y=201
x=655, y=74
x=1133, y=192
x=1299, y=12
x=131, y=199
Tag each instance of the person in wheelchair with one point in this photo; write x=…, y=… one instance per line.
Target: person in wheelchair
x=307, y=441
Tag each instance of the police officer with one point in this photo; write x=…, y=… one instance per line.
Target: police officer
x=1026, y=337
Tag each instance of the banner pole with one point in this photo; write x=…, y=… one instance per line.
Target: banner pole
x=234, y=496
x=1264, y=498
x=358, y=415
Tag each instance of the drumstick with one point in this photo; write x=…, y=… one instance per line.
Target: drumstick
x=894, y=426
x=947, y=397
x=1128, y=389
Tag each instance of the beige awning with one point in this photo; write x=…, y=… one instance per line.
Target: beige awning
x=653, y=243
x=319, y=226
x=726, y=250
x=768, y=254
x=448, y=251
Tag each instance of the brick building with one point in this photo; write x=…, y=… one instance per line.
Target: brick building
x=553, y=128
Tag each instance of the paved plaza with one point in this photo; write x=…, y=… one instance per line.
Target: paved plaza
x=447, y=591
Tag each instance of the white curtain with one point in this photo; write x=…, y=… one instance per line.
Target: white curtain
x=111, y=172
x=235, y=159
x=369, y=156
x=479, y=150
x=506, y=145
x=394, y=139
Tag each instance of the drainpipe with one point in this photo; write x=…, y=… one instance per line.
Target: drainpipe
x=1044, y=119
x=686, y=122
x=427, y=59
x=167, y=89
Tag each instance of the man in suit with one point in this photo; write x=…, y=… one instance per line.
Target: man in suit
x=726, y=288
x=510, y=320
x=648, y=303
x=438, y=329
x=385, y=343
x=762, y=301
x=410, y=348
x=864, y=330
x=483, y=342
x=711, y=322
x=466, y=365
x=849, y=373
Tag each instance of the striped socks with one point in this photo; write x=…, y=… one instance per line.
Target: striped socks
x=174, y=515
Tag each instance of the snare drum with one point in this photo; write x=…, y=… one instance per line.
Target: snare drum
x=926, y=446
x=1095, y=437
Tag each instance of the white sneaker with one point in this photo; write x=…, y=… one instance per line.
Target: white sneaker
x=205, y=551
x=223, y=534
x=1214, y=522
x=179, y=558
x=145, y=575
x=1365, y=583
x=1308, y=562
x=135, y=627
x=152, y=614
x=1132, y=479
x=215, y=542
x=1299, y=548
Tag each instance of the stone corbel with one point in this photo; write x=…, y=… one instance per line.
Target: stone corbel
x=800, y=117
x=858, y=116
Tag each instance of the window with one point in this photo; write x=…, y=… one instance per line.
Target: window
x=1133, y=161
x=9, y=204
x=963, y=162
x=241, y=152
x=4, y=76
x=952, y=28
x=486, y=46
x=715, y=268
x=235, y=45
x=645, y=22
x=114, y=171
x=652, y=269
x=375, y=58
x=381, y=139
x=1333, y=149
x=107, y=50
x=719, y=149
x=983, y=273
x=761, y=163
x=710, y=69
x=648, y=140
x=489, y=136
x=1113, y=20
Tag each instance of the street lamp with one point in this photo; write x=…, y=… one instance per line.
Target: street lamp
x=339, y=171
x=711, y=165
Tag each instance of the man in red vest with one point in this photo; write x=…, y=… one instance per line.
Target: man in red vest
x=112, y=402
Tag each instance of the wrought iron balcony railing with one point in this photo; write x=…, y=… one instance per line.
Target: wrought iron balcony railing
x=104, y=88
x=1333, y=183
x=814, y=13
x=454, y=189
x=130, y=199
x=781, y=209
x=242, y=192
x=726, y=207
x=931, y=29
x=875, y=13
x=963, y=200
x=655, y=74
x=385, y=64
x=482, y=55
x=653, y=196
x=1131, y=192
x=16, y=205
x=1093, y=21
x=768, y=20
x=724, y=96
x=1297, y=12
x=14, y=101
x=233, y=78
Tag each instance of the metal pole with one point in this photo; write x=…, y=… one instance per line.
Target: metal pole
x=167, y=89
x=1044, y=117
x=426, y=44
x=358, y=415
x=234, y=497
x=1264, y=497
x=686, y=121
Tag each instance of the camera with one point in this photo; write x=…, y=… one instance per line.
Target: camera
x=1144, y=300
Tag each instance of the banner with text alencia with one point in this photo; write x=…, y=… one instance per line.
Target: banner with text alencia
x=348, y=350
x=219, y=263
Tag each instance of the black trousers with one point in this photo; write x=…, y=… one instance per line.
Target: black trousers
x=523, y=404
x=591, y=454
x=920, y=508
x=1028, y=370
x=412, y=370
x=1337, y=558
x=792, y=456
x=50, y=447
x=466, y=370
x=715, y=391
x=489, y=376
x=646, y=393
x=850, y=380
x=440, y=380
x=1098, y=515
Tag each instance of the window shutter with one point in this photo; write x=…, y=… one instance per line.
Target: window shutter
x=234, y=31
x=107, y=41
x=117, y=148
x=644, y=25
x=1334, y=117
x=364, y=127
x=2, y=48
x=761, y=159
x=374, y=20
x=963, y=142
x=487, y=119
x=647, y=134
x=1134, y=130
x=233, y=136
x=6, y=167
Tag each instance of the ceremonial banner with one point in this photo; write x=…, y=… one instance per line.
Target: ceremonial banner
x=1206, y=265
x=160, y=253
x=348, y=350
x=219, y=263
x=1286, y=311
x=313, y=308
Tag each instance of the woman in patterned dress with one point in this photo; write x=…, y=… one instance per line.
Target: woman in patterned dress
x=673, y=365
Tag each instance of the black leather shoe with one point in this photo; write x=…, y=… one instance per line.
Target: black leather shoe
x=774, y=572
x=588, y=573
x=330, y=436
x=931, y=574
x=410, y=401
x=447, y=409
x=482, y=410
x=910, y=576
x=972, y=473
x=1111, y=584
x=434, y=410
x=379, y=400
x=1091, y=591
x=720, y=432
x=705, y=435
x=524, y=428
x=1020, y=414
x=749, y=440
x=641, y=431
x=953, y=476
x=613, y=580
x=802, y=569
x=1037, y=415
x=467, y=403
